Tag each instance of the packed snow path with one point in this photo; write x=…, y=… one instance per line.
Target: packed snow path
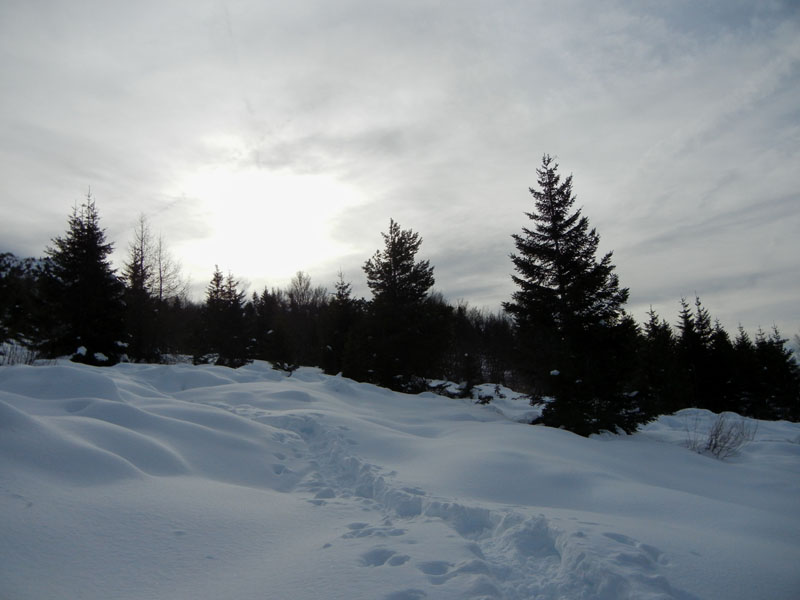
x=145, y=481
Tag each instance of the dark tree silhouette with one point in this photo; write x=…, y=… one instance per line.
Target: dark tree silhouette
x=401, y=331
x=778, y=384
x=572, y=330
x=268, y=326
x=84, y=292
x=393, y=274
x=342, y=317
x=141, y=308
x=659, y=371
x=223, y=335
x=22, y=306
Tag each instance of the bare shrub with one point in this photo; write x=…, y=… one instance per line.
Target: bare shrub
x=726, y=436
x=16, y=354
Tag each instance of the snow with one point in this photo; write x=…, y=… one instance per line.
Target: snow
x=203, y=482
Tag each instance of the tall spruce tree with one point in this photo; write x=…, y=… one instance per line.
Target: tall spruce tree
x=401, y=324
x=84, y=292
x=574, y=337
x=703, y=353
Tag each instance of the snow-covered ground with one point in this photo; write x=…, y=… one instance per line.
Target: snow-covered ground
x=146, y=481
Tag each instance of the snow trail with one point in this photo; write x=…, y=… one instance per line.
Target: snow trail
x=511, y=555
x=147, y=481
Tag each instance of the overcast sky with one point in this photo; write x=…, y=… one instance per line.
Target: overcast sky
x=270, y=137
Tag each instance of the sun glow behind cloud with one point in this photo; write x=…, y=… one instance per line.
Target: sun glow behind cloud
x=264, y=225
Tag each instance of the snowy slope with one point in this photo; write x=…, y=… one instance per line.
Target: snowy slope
x=144, y=481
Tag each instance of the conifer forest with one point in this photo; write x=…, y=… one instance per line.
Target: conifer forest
x=563, y=338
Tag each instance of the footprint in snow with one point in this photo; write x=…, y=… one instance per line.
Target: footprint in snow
x=434, y=567
x=647, y=554
x=439, y=571
x=362, y=530
x=378, y=557
x=325, y=494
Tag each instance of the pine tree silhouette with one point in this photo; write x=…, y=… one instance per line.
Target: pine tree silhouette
x=84, y=292
x=572, y=330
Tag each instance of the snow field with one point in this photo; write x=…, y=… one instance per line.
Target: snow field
x=151, y=481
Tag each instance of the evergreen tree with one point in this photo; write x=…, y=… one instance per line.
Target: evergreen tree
x=179, y=320
x=691, y=353
x=84, y=292
x=21, y=301
x=224, y=334
x=705, y=354
x=497, y=334
x=268, y=327
x=343, y=290
x=342, y=317
x=757, y=379
x=720, y=379
x=569, y=316
x=400, y=344
x=393, y=275
x=463, y=357
x=658, y=365
x=778, y=378
x=9, y=285
x=747, y=378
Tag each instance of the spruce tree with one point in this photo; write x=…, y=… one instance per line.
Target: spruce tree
x=22, y=307
x=393, y=274
x=84, y=292
x=224, y=333
x=572, y=331
x=747, y=377
x=400, y=342
x=341, y=318
x=691, y=354
x=268, y=327
x=705, y=354
x=778, y=380
x=658, y=365
x=720, y=382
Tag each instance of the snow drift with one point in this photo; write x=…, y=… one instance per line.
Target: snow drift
x=150, y=481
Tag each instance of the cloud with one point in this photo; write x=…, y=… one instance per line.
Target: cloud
x=679, y=122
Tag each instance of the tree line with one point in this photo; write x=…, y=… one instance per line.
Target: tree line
x=564, y=337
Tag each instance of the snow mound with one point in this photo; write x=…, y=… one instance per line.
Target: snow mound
x=152, y=481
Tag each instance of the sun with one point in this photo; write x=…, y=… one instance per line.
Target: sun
x=264, y=224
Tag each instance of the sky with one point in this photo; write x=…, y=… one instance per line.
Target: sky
x=270, y=137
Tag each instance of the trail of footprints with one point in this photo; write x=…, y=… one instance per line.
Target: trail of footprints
x=512, y=556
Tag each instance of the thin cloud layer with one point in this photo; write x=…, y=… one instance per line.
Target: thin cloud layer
x=678, y=122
